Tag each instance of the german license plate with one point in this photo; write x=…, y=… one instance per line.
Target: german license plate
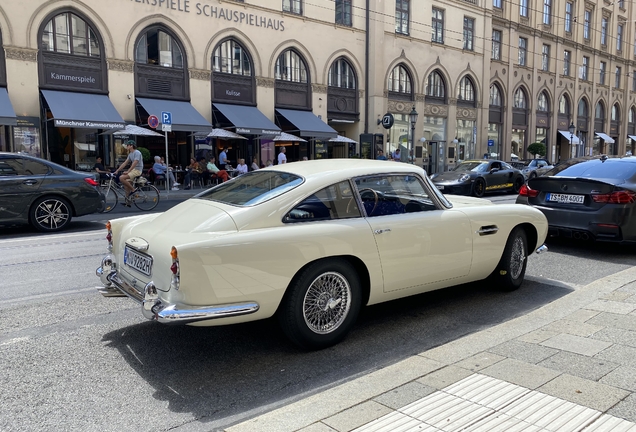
x=140, y=262
x=566, y=198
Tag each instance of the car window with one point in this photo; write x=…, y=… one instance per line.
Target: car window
x=472, y=166
x=615, y=169
x=11, y=167
x=33, y=167
x=506, y=166
x=253, y=188
x=333, y=202
x=541, y=164
x=496, y=165
x=384, y=195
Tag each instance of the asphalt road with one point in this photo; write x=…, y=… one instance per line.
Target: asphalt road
x=74, y=360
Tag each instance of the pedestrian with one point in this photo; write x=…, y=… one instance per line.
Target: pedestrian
x=380, y=155
x=223, y=158
x=396, y=155
x=136, y=161
x=281, y=156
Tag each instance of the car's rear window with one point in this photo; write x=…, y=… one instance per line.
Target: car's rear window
x=253, y=188
x=614, y=169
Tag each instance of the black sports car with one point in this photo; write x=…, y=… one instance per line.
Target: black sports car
x=588, y=198
x=44, y=194
x=477, y=177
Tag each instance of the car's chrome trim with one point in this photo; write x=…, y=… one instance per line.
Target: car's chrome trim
x=541, y=249
x=488, y=230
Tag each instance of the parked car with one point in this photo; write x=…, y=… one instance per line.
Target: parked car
x=312, y=242
x=44, y=194
x=588, y=198
x=531, y=168
x=477, y=177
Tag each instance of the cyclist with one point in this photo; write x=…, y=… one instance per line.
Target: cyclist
x=136, y=164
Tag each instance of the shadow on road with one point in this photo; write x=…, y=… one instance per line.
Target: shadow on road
x=217, y=372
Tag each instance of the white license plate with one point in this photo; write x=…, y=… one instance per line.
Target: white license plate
x=140, y=262
x=440, y=187
x=566, y=198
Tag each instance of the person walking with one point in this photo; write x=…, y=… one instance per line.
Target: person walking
x=281, y=156
x=136, y=161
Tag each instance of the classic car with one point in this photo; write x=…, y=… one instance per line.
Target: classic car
x=44, y=194
x=531, y=168
x=587, y=198
x=312, y=242
x=477, y=177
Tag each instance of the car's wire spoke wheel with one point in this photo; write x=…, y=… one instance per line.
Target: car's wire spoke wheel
x=51, y=214
x=510, y=271
x=327, y=302
x=517, y=258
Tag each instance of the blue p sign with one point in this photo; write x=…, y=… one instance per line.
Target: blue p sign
x=166, y=117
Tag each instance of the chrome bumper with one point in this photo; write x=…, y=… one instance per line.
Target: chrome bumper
x=153, y=308
x=541, y=249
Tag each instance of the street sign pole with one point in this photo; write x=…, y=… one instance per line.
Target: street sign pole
x=165, y=133
x=166, y=126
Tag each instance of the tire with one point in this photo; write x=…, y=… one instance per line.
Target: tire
x=321, y=305
x=479, y=187
x=110, y=199
x=511, y=269
x=516, y=187
x=146, y=197
x=532, y=175
x=49, y=214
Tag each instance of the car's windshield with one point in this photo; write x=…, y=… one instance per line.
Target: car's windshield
x=615, y=169
x=253, y=188
x=472, y=166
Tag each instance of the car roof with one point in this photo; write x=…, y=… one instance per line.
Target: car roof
x=344, y=168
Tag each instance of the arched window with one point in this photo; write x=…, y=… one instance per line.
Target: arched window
x=466, y=90
x=435, y=86
x=582, y=108
x=616, y=113
x=542, y=103
x=400, y=80
x=70, y=34
x=229, y=57
x=290, y=67
x=599, y=113
x=495, y=96
x=564, y=105
x=520, y=99
x=156, y=47
x=341, y=75
x=632, y=115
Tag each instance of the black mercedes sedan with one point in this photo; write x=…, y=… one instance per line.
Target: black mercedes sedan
x=477, y=177
x=44, y=194
x=588, y=198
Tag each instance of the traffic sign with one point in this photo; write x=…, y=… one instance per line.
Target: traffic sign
x=166, y=127
x=166, y=117
x=153, y=121
x=491, y=143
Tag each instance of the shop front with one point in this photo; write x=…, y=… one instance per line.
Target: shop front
x=343, y=113
x=7, y=114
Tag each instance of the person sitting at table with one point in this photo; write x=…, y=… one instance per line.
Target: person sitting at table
x=254, y=166
x=203, y=169
x=215, y=172
x=193, y=171
x=170, y=173
x=241, y=167
x=162, y=170
x=269, y=163
x=99, y=167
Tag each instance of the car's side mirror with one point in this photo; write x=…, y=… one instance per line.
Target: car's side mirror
x=493, y=170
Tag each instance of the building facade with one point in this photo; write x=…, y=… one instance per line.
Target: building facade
x=484, y=78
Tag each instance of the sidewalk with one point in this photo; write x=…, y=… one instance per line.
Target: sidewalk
x=180, y=194
x=568, y=366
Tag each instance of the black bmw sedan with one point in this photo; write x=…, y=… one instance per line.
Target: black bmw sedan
x=44, y=194
x=477, y=177
x=589, y=198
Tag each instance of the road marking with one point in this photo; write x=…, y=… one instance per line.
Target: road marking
x=47, y=295
x=52, y=236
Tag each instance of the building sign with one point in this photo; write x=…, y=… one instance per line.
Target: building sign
x=256, y=131
x=233, y=92
x=72, y=78
x=87, y=124
x=211, y=10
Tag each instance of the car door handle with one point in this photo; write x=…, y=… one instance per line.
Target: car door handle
x=380, y=231
x=29, y=182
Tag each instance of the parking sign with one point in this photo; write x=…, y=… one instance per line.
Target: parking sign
x=166, y=117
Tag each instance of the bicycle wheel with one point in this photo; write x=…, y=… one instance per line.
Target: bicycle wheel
x=110, y=199
x=146, y=197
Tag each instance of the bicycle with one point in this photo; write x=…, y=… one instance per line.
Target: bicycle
x=145, y=196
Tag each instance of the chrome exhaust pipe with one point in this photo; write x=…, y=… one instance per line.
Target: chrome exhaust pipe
x=576, y=235
x=585, y=236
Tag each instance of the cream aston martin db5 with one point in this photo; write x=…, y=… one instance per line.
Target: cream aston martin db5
x=312, y=242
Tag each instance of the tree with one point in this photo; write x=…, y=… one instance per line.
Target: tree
x=536, y=149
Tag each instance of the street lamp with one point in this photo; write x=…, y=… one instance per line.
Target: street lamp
x=413, y=118
x=572, y=129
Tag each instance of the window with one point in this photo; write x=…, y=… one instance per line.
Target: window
x=523, y=51
x=568, y=17
x=230, y=58
x=587, y=17
x=603, y=31
x=435, y=86
x=394, y=194
x=343, y=12
x=253, y=188
x=466, y=90
x=496, y=3
x=621, y=4
x=402, y=16
x=469, y=32
x=290, y=67
x=619, y=37
x=496, y=45
x=157, y=47
x=584, y=68
x=292, y=6
x=564, y=105
x=11, y=166
x=399, y=80
x=602, y=69
x=523, y=8
x=520, y=99
x=567, y=61
x=438, y=26
x=615, y=114
x=331, y=203
x=545, y=58
x=617, y=80
x=68, y=33
x=495, y=96
x=634, y=80
x=341, y=75
x=582, y=108
x=547, y=12
x=542, y=102
x=599, y=113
